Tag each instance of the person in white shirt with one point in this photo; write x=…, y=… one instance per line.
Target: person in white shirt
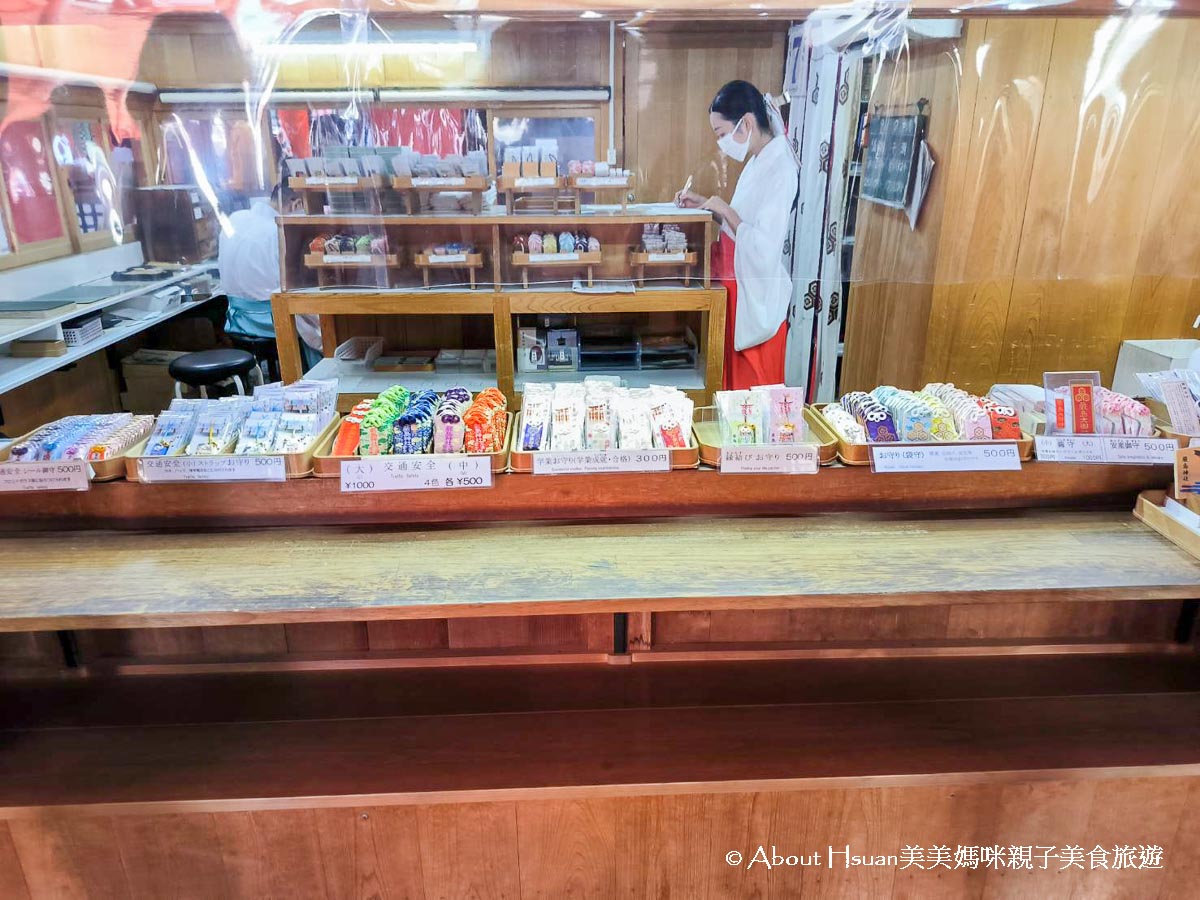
x=248, y=260
x=754, y=228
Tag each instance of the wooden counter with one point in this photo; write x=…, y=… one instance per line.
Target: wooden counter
x=107, y=580
x=703, y=492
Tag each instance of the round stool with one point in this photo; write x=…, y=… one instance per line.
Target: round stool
x=210, y=367
x=265, y=350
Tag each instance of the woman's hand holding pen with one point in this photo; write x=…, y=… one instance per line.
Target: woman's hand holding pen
x=689, y=199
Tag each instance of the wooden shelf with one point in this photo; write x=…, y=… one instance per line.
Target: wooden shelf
x=705, y=492
x=329, y=261
x=603, y=216
x=431, y=262
x=641, y=258
x=586, y=258
x=530, y=184
x=350, y=575
x=668, y=300
x=233, y=765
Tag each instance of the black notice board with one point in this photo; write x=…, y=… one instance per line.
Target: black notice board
x=891, y=158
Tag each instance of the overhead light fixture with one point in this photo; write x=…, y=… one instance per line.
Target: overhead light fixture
x=590, y=14
x=496, y=95
x=366, y=48
x=79, y=79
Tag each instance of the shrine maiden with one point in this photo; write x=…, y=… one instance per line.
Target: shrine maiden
x=754, y=228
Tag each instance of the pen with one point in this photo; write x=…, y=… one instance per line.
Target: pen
x=687, y=186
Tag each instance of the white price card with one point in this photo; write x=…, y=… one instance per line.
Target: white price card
x=776, y=459
x=577, y=462
x=1105, y=448
x=58, y=475
x=552, y=257
x=439, y=182
x=995, y=456
x=316, y=180
x=155, y=469
x=342, y=179
x=601, y=181
x=340, y=258
x=1146, y=451
x=447, y=258
x=666, y=257
x=1082, y=448
x=416, y=473
x=535, y=182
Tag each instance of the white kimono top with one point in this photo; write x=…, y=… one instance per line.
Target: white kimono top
x=763, y=199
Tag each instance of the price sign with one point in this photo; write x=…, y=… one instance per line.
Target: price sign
x=552, y=462
x=1105, y=448
x=59, y=475
x=342, y=179
x=1001, y=456
x=154, y=469
x=552, y=257
x=1139, y=450
x=340, y=258
x=666, y=257
x=316, y=180
x=416, y=473
x=439, y=182
x=601, y=181
x=447, y=258
x=776, y=459
x=1085, y=448
x=535, y=182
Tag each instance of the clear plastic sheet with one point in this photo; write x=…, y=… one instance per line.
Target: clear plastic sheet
x=985, y=191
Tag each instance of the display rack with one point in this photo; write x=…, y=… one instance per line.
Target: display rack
x=546, y=187
x=497, y=282
x=419, y=187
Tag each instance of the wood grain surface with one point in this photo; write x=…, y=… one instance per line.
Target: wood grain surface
x=415, y=759
x=703, y=492
x=92, y=579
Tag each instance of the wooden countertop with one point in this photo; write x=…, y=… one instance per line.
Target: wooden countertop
x=703, y=492
x=99, y=580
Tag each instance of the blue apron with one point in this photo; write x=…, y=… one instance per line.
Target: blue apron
x=252, y=318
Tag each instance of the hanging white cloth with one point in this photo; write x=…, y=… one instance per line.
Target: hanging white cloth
x=763, y=200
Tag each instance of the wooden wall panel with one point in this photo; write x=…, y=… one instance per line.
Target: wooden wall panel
x=894, y=265
x=1124, y=622
x=635, y=846
x=1070, y=221
x=670, y=79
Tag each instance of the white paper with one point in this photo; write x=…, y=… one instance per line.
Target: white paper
x=778, y=459
x=1181, y=514
x=552, y=257
x=535, y=182
x=316, y=180
x=59, y=475
x=995, y=456
x=446, y=258
x=211, y=468
x=416, y=473
x=439, y=182
x=1181, y=407
x=593, y=461
x=348, y=257
x=341, y=179
x=666, y=257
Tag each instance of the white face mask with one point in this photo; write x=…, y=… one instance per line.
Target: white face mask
x=732, y=148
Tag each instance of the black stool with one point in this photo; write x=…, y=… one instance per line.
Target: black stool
x=265, y=350
x=209, y=367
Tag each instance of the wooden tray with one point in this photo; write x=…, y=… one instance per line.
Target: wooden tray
x=321, y=261
x=341, y=183
x=860, y=454
x=102, y=470
x=326, y=465
x=296, y=465
x=522, y=460
x=1150, y=510
x=708, y=435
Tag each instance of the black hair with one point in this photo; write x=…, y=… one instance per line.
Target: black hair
x=736, y=98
